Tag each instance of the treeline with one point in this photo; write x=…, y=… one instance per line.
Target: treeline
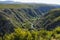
x=25, y=34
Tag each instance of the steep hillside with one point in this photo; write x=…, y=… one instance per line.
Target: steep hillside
x=31, y=16
x=52, y=19
x=49, y=21
x=29, y=22
x=5, y=25
x=31, y=19
x=20, y=16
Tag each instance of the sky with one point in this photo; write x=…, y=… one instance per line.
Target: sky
x=36, y=1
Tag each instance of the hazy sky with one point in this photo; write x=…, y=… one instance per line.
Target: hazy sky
x=37, y=1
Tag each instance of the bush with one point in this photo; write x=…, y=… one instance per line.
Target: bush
x=25, y=34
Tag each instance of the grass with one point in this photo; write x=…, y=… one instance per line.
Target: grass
x=14, y=6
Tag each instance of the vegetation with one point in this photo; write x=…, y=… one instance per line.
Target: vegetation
x=29, y=23
x=25, y=34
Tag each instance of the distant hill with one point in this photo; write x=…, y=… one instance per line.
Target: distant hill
x=9, y=2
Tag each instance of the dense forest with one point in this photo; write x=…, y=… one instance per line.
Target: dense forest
x=29, y=22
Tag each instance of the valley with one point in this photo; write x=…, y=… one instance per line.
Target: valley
x=29, y=22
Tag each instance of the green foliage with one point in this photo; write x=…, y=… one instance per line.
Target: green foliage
x=9, y=37
x=57, y=32
x=27, y=25
x=20, y=18
x=25, y=34
x=0, y=38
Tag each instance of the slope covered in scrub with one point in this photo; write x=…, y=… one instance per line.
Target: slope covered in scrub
x=29, y=22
